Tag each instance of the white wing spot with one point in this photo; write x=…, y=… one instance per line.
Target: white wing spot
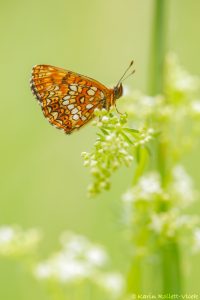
x=75, y=117
x=102, y=95
x=74, y=111
x=72, y=92
x=66, y=102
x=82, y=99
x=71, y=106
x=80, y=89
x=88, y=106
x=83, y=118
x=51, y=94
x=73, y=88
x=54, y=114
x=94, y=88
x=91, y=99
x=90, y=92
x=66, y=97
x=48, y=100
x=56, y=88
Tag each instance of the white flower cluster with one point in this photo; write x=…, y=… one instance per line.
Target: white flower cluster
x=114, y=147
x=16, y=242
x=182, y=187
x=161, y=209
x=80, y=260
x=196, y=240
x=177, y=80
x=166, y=112
x=148, y=188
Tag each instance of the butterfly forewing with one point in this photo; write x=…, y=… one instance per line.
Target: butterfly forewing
x=68, y=99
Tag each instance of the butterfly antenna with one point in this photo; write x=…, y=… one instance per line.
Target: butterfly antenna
x=128, y=75
x=122, y=78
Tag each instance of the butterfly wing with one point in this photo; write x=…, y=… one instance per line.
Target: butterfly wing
x=67, y=99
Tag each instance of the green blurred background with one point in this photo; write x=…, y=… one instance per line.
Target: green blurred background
x=43, y=181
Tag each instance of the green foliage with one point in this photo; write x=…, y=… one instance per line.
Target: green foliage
x=155, y=206
x=115, y=146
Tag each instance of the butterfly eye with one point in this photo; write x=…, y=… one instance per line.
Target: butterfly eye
x=118, y=91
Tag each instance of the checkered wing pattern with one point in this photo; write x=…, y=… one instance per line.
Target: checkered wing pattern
x=68, y=99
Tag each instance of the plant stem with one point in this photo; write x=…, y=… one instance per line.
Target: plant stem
x=171, y=268
x=157, y=49
x=169, y=252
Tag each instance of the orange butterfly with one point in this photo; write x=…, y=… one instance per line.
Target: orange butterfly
x=68, y=99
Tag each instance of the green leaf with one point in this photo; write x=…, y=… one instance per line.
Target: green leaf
x=104, y=131
x=143, y=156
x=131, y=130
x=126, y=138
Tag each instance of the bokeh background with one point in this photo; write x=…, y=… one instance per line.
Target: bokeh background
x=43, y=181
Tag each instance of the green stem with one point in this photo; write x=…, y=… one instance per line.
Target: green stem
x=142, y=158
x=158, y=49
x=134, y=284
x=171, y=268
x=169, y=253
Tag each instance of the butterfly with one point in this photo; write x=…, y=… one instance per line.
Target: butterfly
x=68, y=99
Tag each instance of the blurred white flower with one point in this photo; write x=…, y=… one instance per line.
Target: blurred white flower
x=178, y=78
x=195, y=105
x=128, y=196
x=149, y=184
x=183, y=185
x=113, y=283
x=7, y=234
x=196, y=235
x=17, y=242
x=68, y=269
x=147, y=187
x=78, y=259
x=96, y=256
x=157, y=223
x=43, y=271
x=186, y=82
x=73, y=243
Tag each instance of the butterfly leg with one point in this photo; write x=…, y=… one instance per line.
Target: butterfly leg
x=118, y=110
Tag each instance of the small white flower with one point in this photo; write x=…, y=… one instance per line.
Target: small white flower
x=157, y=223
x=110, y=137
x=74, y=243
x=93, y=163
x=148, y=101
x=150, y=184
x=183, y=185
x=112, y=283
x=16, y=242
x=43, y=271
x=7, y=235
x=70, y=269
x=196, y=106
x=96, y=256
x=196, y=246
x=105, y=119
x=128, y=196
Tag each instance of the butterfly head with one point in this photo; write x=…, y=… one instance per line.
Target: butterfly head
x=118, y=91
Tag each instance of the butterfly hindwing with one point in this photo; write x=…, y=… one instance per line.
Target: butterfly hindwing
x=67, y=99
